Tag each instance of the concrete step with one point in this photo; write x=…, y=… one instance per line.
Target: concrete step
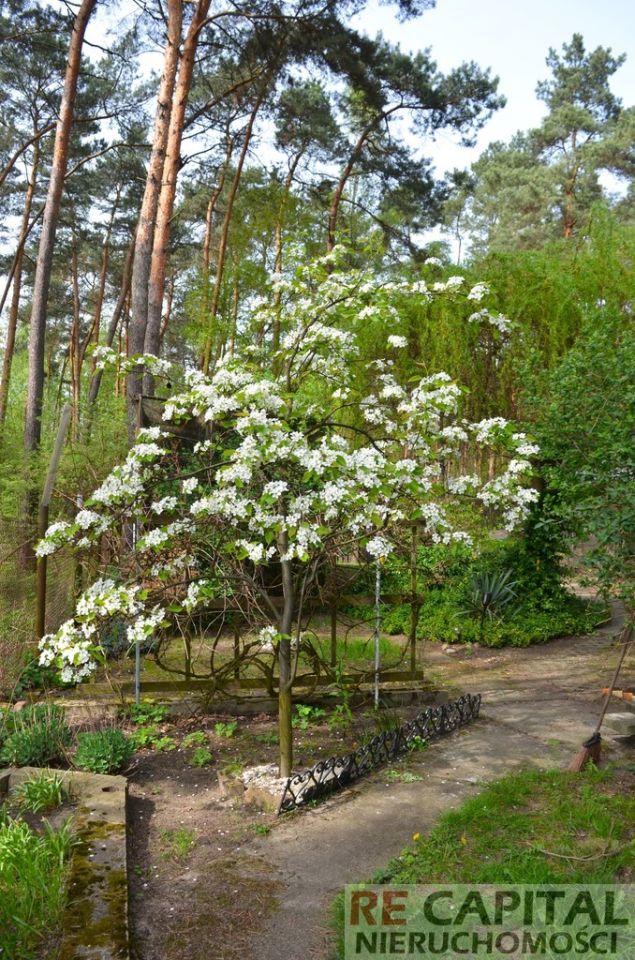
x=621, y=724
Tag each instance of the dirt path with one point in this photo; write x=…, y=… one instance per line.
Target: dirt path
x=537, y=706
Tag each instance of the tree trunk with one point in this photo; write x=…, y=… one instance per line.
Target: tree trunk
x=12, y=323
x=222, y=244
x=95, y=328
x=44, y=263
x=95, y=382
x=235, y=305
x=339, y=191
x=346, y=172
x=211, y=206
x=147, y=214
x=165, y=208
x=569, y=210
x=35, y=392
x=75, y=359
x=168, y=306
x=285, y=703
x=277, y=268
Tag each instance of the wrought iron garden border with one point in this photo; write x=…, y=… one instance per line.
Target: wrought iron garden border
x=338, y=772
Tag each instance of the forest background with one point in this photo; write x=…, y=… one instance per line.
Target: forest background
x=156, y=183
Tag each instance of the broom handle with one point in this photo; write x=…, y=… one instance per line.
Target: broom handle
x=628, y=637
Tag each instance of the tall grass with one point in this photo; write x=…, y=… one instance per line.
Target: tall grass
x=33, y=874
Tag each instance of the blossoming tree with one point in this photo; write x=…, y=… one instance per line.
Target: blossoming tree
x=295, y=469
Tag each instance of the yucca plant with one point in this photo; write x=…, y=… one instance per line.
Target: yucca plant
x=489, y=595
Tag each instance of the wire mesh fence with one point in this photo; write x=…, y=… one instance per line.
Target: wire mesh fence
x=17, y=602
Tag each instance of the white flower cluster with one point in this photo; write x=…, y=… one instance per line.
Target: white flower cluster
x=478, y=292
x=107, y=357
x=56, y=535
x=502, y=323
x=197, y=594
x=379, y=548
x=144, y=627
x=267, y=636
x=73, y=649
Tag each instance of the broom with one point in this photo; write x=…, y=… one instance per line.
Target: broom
x=591, y=749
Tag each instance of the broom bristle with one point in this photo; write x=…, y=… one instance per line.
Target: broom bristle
x=589, y=753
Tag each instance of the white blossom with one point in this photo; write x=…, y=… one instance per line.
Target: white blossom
x=379, y=548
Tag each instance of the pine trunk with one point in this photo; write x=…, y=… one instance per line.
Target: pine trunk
x=224, y=237
x=148, y=213
x=41, y=286
x=165, y=208
x=12, y=323
x=124, y=292
x=44, y=263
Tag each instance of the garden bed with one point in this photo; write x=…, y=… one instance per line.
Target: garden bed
x=68, y=893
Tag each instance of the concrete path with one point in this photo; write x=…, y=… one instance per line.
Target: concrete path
x=538, y=706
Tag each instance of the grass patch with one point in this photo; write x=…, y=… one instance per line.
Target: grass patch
x=402, y=776
x=528, y=827
x=358, y=649
x=176, y=843
x=502, y=834
x=37, y=736
x=41, y=793
x=33, y=885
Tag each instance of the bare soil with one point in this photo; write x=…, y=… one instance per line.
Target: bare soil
x=206, y=897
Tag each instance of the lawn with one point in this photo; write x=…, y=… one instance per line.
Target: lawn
x=529, y=828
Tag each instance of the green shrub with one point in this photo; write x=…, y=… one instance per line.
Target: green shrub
x=201, y=757
x=306, y=714
x=151, y=737
x=148, y=713
x=145, y=736
x=104, y=751
x=36, y=736
x=228, y=729
x=195, y=739
x=33, y=676
x=542, y=607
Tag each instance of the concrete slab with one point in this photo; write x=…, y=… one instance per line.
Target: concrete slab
x=95, y=923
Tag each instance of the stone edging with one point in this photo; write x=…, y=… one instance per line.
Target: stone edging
x=95, y=922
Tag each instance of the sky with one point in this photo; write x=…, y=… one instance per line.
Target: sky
x=513, y=38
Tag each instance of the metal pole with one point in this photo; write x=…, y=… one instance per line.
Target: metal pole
x=333, y=605
x=135, y=538
x=377, y=628
x=43, y=520
x=137, y=648
x=414, y=605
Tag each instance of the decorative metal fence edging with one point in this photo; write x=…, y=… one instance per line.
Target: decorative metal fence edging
x=336, y=773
